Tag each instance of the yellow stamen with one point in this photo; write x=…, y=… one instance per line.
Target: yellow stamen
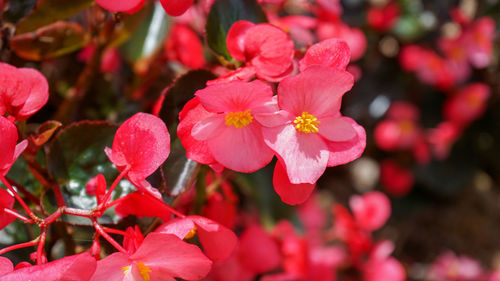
x=144, y=271
x=239, y=119
x=306, y=123
x=190, y=234
x=126, y=269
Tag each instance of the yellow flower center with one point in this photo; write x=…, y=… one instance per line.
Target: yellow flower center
x=306, y=123
x=143, y=271
x=239, y=119
x=190, y=234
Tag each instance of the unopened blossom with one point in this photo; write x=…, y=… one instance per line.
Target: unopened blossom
x=468, y=104
x=23, y=91
x=371, y=210
x=396, y=180
x=383, y=18
x=159, y=257
x=184, y=45
x=140, y=146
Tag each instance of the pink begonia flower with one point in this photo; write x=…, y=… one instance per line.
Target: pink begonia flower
x=159, y=257
x=218, y=241
x=10, y=151
x=220, y=210
x=330, y=52
x=442, y=138
x=6, y=266
x=266, y=49
x=196, y=150
x=111, y=60
x=141, y=145
x=450, y=267
x=468, y=104
x=371, y=210
x=140, y=204
x=308, y=133
x=396, y=180
x=383, y=18
x=258, y=251
x=184, y=45
x=478, y=40
x=78, y=268
x=233, y=133
x=381, y=267
x=6, y=201
x=172, y=7
x=23, y=91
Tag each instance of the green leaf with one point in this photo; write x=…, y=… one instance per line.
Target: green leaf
x=51, y=41
x=76, y=155
x=178, y=169
x=222, y=16
x=50, y=11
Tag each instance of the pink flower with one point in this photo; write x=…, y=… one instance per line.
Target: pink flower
x=111, y=60
x=468, y=104
x=23, y=91
x=97, y=186
x=354, y=37
x=383, y=18
x=176, y=7
x=6, y=266
x=6, y=201
x=78, y=267
x=450, y=267
x=478, y=40
x=184, y=45
x=140, y=204
x=265, y=48
x=141, y=145
x=371, y=210
x=232, y=132
x=258, y=251
x=218, y=241
x=172, y=7
x=308, y=133
x=10, y=151
x=396, y=180
x=382, y=267
x=159, y=257
x=333, y=53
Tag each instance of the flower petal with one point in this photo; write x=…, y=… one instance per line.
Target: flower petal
x=346, y=151
x=110, y=268
x=304, y=155
x=241, y=149
x=127, y=6
x=333, y=53
x=235, y=40
x=318, y=90
x=336, y=129
x=217, y=240
x=176, y=7
x=290, y=193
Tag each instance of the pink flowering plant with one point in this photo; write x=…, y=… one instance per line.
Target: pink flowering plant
x=270, y=140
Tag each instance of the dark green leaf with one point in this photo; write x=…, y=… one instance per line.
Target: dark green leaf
x=50, y=11
x=50, y=41
x=222, y=16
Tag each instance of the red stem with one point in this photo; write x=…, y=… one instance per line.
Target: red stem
x=115, y=231
x=28, y=195
x=17, y=215
x=52, y=218
x=106, y=236
x=41, y=244
x=113, y=186
x=18, y=246
x=59, y=196
x=19, y=199
x=78, y=212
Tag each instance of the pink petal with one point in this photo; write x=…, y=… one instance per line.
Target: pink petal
x=78, y=268
x=8, y=131
x=332, y=53
x=38, y=92
x=236, y=39
x=138, y=204
x=274, y=119
x=5, y=266
x=347, y=151
x=208, y=128
x=218, y=241
x=143, y=142
x=179, y=227
x=190, y=115
x=304, y=155
x=258, y=252
x=168, y=254
x=290, y=193
x=371, y=210
x=241, y=149
x=110, y=268
x=176, y=7
x=318, y=90
x=234, y=96
x=6, y=201
x=336, y=129
x=127, y=6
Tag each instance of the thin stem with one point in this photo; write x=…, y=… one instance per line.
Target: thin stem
x=19, y=246
x=113, y=186
x=41, y=244
x=78, y=212
x=28, y=195
x=17, y=215
x=106, y=236
x=19, y=199
x=115, y=231
x=59, y=196
x=52, y=218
